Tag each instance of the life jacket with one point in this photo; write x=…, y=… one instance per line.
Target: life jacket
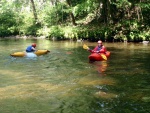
x=99, y=48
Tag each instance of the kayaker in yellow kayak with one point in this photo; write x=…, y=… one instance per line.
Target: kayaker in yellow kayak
x=31, y=48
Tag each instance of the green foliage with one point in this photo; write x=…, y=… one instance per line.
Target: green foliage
x=55, y=15
x=106, y=20
x=8, y=23
x=28, y=26
x=56, y=32
x=84, y=8
x=122, y=3
x=43, y=31
x=145, y=11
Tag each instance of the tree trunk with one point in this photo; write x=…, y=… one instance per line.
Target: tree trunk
x=71, y=14
x=73, y=19
x=34, y=11
x=105, y=11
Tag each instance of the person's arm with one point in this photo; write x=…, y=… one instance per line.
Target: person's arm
x=33, y=49
x=94, y=50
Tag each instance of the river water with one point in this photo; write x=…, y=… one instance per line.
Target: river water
x=63, y=81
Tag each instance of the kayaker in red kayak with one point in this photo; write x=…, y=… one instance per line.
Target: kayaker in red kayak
x=100, y=48
x=31, y=48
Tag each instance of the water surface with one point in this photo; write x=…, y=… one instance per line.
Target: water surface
x=63, y=81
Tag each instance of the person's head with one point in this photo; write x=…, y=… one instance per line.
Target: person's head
x=99, y=42
x=34, y=45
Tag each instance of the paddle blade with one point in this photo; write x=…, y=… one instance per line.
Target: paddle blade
x=85, y=46
x=104, y=56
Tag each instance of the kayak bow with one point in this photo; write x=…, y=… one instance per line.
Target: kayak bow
x=98, y=56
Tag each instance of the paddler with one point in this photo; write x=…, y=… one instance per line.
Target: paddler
x=31, y=48
x=100, y=48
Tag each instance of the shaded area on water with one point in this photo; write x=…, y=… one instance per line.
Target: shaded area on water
x=64, y=82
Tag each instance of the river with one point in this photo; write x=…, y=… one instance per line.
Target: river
x=63, y=81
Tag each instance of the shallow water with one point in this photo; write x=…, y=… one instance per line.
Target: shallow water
x=64, y=82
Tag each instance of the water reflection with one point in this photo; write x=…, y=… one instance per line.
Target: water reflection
x=100, y=66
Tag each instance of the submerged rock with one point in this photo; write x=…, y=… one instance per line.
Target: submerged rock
x=105, y=95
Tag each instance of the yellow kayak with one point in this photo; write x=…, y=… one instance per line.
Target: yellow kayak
x=23, y=54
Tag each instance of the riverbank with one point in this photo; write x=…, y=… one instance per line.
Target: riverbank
x=23, y=37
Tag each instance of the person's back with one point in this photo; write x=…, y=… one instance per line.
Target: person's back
x=31, y=48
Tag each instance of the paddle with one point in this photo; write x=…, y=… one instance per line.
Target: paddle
x=87, y=48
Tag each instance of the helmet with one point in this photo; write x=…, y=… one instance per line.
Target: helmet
x=99, y=42
x=34, y=44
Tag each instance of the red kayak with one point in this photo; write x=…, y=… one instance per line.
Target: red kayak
x=98, y=56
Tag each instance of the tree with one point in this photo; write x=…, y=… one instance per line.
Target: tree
x=34, y=11
x=71, y=14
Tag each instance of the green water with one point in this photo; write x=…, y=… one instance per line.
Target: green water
x=64, y=82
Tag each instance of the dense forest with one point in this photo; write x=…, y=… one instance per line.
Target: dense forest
x=108, y=20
